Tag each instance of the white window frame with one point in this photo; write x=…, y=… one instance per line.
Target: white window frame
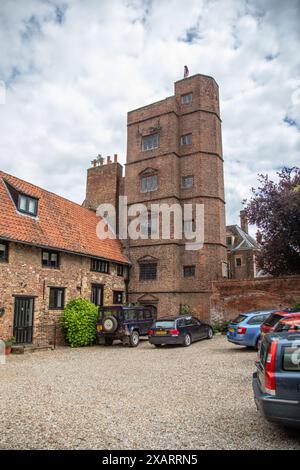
x=186, y=139
x=150, y=142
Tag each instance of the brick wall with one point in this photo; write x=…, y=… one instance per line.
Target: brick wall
x=229, y=298
x=24, y=275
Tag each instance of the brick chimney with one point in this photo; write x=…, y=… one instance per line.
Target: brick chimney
x=244, y=220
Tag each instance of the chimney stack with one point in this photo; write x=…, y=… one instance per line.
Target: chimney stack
x=244, y=220
x=108, y=159
x=115, y=158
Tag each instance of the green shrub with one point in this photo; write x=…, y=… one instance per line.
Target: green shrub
x=79, y=322
x=297, y=305
x=220, y=326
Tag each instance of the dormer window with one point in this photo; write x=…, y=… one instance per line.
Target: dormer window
x=27, y=204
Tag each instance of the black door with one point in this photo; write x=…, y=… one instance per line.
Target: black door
x=23, y=319
x=97, y=294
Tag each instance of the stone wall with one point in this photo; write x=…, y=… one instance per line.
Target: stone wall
x=231, y=297
x=23, y=275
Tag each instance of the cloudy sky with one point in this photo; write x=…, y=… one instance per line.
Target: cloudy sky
x=72, y=69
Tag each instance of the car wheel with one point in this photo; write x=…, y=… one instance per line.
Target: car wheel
x=210, y=333
x=108, y=341
x=134, y=339
x=158, y=345
x=187, y=340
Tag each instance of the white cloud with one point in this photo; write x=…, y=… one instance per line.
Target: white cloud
x=74, y=68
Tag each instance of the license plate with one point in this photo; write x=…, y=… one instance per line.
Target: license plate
x=160, y=332
x=231, y=330
x=99, y=327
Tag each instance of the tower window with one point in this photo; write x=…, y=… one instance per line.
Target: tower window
x=238, y=262
x=186, y=139
x=148, y=183
x=189, y=271
x=187, y=182
x=27, y=204
x=187, y=98
x=148, y=271
x=150, y=142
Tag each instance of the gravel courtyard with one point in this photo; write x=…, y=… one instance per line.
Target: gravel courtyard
x=144, y=398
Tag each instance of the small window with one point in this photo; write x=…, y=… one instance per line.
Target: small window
x=27, y=204
x=148, y=183
x=57, y=298
x=187, y=98
x=186, y=139
x=50, y=259
x=148, y=271
x=229, y=241
x=150, y=142
x=99, y=266
x=118, y=297
x=187, y=182
x=3, y=251
x=238, y=262
x=120, y=270
x=189, y=271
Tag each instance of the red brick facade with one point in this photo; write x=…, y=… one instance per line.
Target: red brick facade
x=201, y=159
x=23, y=275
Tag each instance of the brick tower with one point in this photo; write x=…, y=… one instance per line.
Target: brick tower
x=174, y=155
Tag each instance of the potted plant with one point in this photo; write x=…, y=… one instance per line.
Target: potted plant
x=8, y=344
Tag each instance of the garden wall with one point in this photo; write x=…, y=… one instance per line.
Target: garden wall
x=231, y=297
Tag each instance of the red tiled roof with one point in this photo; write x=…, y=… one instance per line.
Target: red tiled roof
x=60, y=224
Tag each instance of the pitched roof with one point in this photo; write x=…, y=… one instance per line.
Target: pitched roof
x=60, y=224
x=245, y=241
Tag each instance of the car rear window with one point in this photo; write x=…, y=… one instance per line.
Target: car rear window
x=291, y=358
x=165, y=324
x=257, y=320
x=273, y=319
x=239, y=319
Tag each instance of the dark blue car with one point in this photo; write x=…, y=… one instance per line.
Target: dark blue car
x=181, y=330
x=276, y=384
x=245, y=329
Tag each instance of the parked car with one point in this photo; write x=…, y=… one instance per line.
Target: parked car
x=270, y=323
x=276, y=384
x=245, y=329
x=182, y=330
x=124, y=323
x=290, y=323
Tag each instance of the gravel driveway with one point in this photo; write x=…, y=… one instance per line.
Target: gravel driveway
x=144, y=398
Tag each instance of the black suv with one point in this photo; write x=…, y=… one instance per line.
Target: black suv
x=124, y=323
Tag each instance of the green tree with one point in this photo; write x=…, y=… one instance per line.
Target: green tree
x=79, y=322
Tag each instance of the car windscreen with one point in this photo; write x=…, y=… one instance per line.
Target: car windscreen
x=272, y=319
x=291, y=358
x=164, y=324
x=239, y=319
